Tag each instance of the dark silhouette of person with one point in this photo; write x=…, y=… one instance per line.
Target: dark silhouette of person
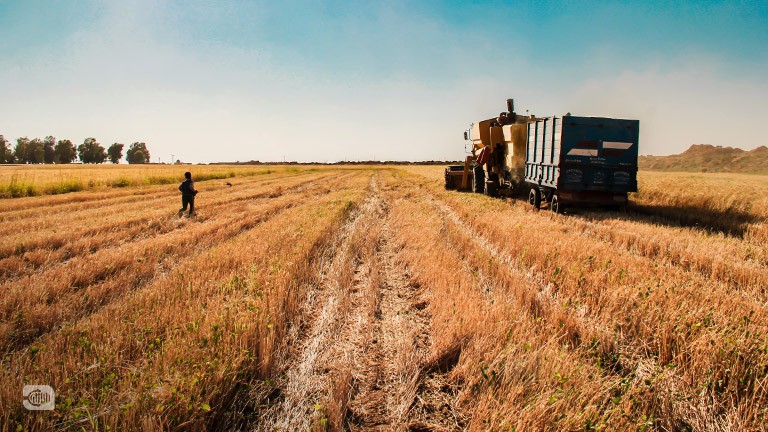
x=188, y=192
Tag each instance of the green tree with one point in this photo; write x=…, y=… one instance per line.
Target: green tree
x=91, y=152
x=49, y=151
x=21, y=151
x=139, y=157
x=36, y=151
x=137, y=153
x=115, y=152
x=65, y=151
x=6, y=154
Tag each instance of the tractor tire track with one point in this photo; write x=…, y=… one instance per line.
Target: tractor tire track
x=303, y=383
x=392, y=387
x=362, y=362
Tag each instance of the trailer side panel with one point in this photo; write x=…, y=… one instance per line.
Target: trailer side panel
x=583, y=154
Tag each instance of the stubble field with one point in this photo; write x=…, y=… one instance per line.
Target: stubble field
x=369, y=298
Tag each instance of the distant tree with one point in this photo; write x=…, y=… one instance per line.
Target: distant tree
x=65, y=151
x=6, y=154
x=115, y=152
x=137, y=153
x=91, y=152
x=21, y=151
x=139, y=157
x=49, y=151
x=36, y=151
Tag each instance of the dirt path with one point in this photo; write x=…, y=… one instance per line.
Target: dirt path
x=394, y=388
x=360, y=361
x=389, y=343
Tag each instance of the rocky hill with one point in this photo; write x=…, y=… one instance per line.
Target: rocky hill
x=709, y=158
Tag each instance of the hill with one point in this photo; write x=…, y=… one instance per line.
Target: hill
x=709, y=158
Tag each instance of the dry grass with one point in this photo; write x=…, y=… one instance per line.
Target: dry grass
x=350, y=299
x=31, y=180
x=167, y=326
x=667, y=323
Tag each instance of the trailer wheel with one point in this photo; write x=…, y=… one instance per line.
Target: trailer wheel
x=491, y=188
x=478, y=180
x=555, y=205
x=534, y=198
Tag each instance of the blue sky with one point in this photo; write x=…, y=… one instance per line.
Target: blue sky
x=333, y=80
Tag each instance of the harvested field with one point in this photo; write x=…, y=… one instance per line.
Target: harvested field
x=369, y=298
x=31, y=180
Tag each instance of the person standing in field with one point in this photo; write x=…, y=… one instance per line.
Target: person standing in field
x=188, y=192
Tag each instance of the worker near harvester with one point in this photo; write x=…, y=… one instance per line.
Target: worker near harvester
x=188, y=192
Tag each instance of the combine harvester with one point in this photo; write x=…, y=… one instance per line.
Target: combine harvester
x=563, y=161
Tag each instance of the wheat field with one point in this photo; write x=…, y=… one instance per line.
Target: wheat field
x=32, y=180
x=370, y=298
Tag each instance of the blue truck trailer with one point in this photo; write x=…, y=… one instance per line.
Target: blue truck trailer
x=574, y=160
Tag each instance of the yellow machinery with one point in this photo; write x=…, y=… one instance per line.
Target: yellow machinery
x=497, y=162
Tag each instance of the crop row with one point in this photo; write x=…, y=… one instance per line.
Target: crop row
x=694, y=346
x=172, y=343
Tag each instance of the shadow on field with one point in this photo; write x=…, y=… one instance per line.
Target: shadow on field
x=729, y=222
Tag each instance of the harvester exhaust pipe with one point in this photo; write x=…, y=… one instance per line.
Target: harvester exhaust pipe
x=510, y=105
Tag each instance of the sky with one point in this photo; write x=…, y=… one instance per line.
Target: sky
x=324, y=81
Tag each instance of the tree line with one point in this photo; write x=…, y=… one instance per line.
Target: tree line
x=50, y=151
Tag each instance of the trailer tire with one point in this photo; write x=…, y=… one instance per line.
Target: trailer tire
x=491, y=188
x=534, y=198
x=478, y=180
x=555, y=205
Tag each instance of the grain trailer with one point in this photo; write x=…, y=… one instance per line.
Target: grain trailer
x=581, y=160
